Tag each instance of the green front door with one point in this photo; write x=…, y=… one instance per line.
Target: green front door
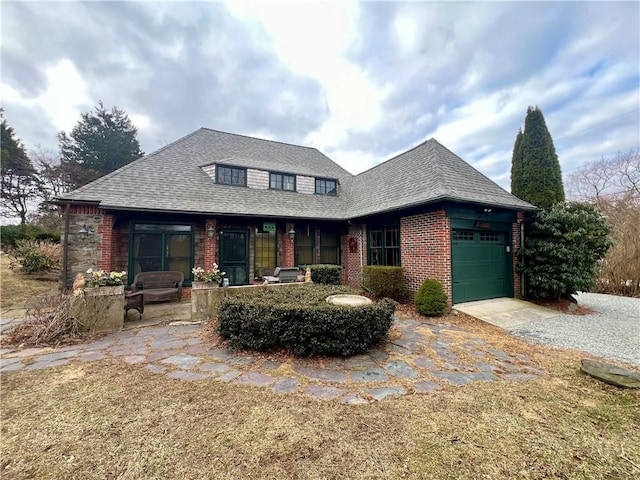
x=481, y=265
x=234, y=256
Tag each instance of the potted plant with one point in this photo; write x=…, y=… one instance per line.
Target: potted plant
x=99, y=307
x=204, y=279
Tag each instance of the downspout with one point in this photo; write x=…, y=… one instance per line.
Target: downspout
x=65, y=251
x=522, y=289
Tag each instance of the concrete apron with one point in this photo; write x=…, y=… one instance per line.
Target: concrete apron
x=505, y=312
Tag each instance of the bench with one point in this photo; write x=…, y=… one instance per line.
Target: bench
x=159, y=286
x=281, y=275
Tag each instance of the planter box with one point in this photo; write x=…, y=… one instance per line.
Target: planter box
x=205, y=297
x=99, y=309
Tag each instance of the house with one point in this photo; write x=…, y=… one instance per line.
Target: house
x=248, y=204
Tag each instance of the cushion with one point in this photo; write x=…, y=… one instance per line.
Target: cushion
x=276, y=272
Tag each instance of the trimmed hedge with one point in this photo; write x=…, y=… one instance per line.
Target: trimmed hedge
x=11, y=234
x=431, y=300
x=385, y=281
x=300, y=320
x=326, y=274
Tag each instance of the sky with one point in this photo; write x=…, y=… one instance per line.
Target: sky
x=360, y=81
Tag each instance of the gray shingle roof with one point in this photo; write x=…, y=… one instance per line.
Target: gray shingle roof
x=427, y=173
x=171, y=179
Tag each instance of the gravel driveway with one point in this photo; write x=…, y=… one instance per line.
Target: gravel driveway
x=612, y=331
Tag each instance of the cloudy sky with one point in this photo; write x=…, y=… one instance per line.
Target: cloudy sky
x=362, y=82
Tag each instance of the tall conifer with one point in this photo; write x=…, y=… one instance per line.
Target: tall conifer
x=535, y=172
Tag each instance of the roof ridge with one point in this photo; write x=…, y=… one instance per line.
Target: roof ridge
x=281, y=143
x=102, y=179
x=261, y=139
x=474, y=168
x=398, y=155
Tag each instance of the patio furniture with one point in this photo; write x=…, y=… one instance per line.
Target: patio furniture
x=282, y=275
x=133, y=301
x=159, y=286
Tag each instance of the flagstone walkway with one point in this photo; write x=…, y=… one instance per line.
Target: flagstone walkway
x=419, y=358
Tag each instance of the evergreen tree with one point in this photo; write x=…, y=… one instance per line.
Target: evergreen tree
x=20, y=184
x=517, y=185
x=100, y=143
x=538, y=179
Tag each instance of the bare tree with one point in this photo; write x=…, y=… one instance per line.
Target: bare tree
x=613, y=185
x=608, y=179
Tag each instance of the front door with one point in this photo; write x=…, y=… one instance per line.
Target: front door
x=234, y=256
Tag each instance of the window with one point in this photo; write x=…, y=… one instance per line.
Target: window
x=329, y=247
x=265, y=251
x=158, y=247
x=231, y=175
x=304, y=250
x=462, y=235
x=282, y=181
x=489, y=237
x=325, y=186
x=384, y=246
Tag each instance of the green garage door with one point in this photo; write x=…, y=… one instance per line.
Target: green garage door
x=481, y=265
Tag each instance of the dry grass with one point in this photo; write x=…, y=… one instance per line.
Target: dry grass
x=111, y=420
x=16, y=288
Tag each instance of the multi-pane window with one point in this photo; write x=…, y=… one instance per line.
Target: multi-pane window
x=304, y=251
x=384, y=246
x=282, y=181
x=489, y=236
x=329, y=248
x=325, y=186
x=462, y=235
x=231, y=175
x=265, y=251
x=158, y=247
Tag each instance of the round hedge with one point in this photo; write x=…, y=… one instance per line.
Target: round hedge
x=431, y=299
x=299, y=320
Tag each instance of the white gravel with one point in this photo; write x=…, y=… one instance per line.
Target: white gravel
x=612, y=331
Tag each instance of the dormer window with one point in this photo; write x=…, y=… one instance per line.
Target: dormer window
x=324, y=186
x=282, y=181
x=231, y=175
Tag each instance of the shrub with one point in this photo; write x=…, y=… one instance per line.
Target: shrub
x=384, y=281
x=32, y=256
x=326, y=274
x=300, y=320
x=11, y=234
x=563, y=247
x=431, y=300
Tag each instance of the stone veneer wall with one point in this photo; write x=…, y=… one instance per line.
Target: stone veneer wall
x=97, y=250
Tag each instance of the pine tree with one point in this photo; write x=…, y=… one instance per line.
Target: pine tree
x=20, y=185
x=517, y=186
x=100, y=143
x=538, y=179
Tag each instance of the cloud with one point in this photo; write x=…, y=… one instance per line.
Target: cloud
x=178, y=68
x=360, y=81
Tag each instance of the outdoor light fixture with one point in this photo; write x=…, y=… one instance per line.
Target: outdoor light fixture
x=210, y=231
x=292, y=234
x=84, y=232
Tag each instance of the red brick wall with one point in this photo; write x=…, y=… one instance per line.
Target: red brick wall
x=515, y=229
x=351, y=275
x=286, y=257
x=426, y=249
x=209, y=246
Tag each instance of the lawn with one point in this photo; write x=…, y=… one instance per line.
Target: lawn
x=16, y=288
x=109, y=419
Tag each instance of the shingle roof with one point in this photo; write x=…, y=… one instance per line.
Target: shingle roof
x=427, y=173
x=171, y=179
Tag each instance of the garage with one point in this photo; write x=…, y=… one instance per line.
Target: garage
x=480, y=264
